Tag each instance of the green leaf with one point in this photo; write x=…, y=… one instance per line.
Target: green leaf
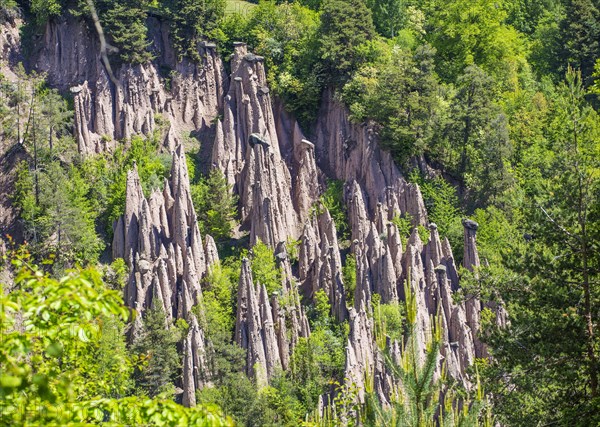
x=9, y=381
x=55, y=349
x=82, y=334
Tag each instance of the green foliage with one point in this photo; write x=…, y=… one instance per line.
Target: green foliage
x=106, y=176
x=321, y=307
x=406, y=228
x=59, y=218
x=236, y=394
x=7, y=7
x=349, y=276
x=315, y=363
x=276, y=405
x=422, y=400
x=264, y=267
x=580, y=36
x=388, y=16
x=66, y=362
x=292, y=248
x=333, y=200
x=404, y=225
x=218, y=302
x=124, y=23
x=346, y=26
x=136, y=410
x=443, y=209
x=157, y=350
x=286, y=35
x=399, y=92
x=215, y=204
x=478, y=129
x=45, y=9
x=193, y=21
x=547, y=277
x=114, y=367
x=467, y=33
x=498, y=235
x=445, y=82
x=423, y=233
x=115, y=275
x=389, y=321
x=527, y=15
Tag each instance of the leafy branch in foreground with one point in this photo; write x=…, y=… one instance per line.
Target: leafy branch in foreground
x=55, y=367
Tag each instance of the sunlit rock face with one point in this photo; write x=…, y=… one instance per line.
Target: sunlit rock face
x=159, y=239
x=188, y=99
x=279, y=174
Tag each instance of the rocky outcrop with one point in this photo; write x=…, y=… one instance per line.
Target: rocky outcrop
x=141, y=103
x=260, y=327
x=473, y=304
x=471, y=263
x=428, y=270
x=299, y=154
x=350, y=152
x=278, y=174
x=159, y=239
x=246, y=150
x=320, y=263
x=360, y=351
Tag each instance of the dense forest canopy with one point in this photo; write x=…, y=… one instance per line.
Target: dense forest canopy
x=491, y=107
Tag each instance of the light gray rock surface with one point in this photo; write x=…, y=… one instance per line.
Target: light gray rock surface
x=159, y=239
x=278, y=175
x=141, y=103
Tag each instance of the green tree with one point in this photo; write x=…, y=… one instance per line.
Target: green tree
x=400, y=93
x=63, y=360
x=7, y=7
x=192, y=22
x=346, y=25
x=287, y=36
x=124, y=23
x=388, y=16
x=264, y=267
x=551, y=281
x=349, y=275
x=45, y=9
x=318, y=361
x=60, y=220
x=423, y=401
x=216, y=205
x=526, y=15
x=68, y=219
x=157, y=346
x=333, y=200
x=580, y=36
x=472, y=32
x=478, y=136
x=55, y=116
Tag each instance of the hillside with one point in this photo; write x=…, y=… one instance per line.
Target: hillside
x=322, y=212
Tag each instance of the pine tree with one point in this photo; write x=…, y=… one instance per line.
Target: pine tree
x=387, y=16
x=478, y=134
x=345, y=26
x=580, y=33
x=215, y=205
x=124, y=23
x=421, y=400
x=192, y=22
x=158, y=348
x=548, y=355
